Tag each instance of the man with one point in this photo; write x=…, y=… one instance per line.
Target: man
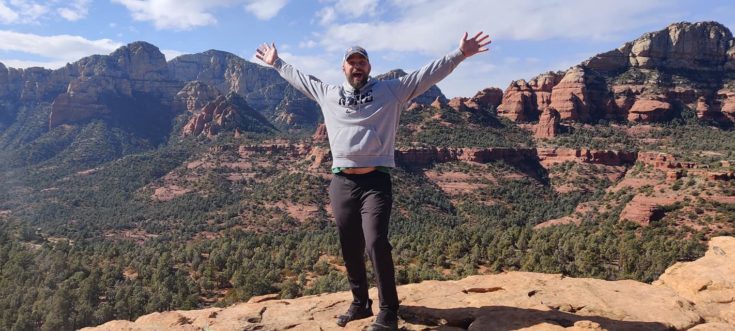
x=361, y=117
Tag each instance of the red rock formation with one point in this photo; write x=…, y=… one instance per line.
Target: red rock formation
x=550, y=156
x=414, y=106
x=262, y=87
x=546, y=156
x=320, y=156
x=517, y=101
x=138, y=67
x=320, y=135
x=429, y=155
x=647, y=110
x=633, y=73
x=68, y=108
x=723, y=176
x=673, y=175
x=439, y=103
x=548, y=124
x=542, y=86
x=225, y=113
x=643, y=209
x=458, y=104
x=698, y=46
x=486, y=98
x=726, y=99
x=569, y=97
x=625, y=97
x=703, y=108
x=194, y=96
x=294, y=150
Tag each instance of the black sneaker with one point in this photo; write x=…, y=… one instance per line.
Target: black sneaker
x=387, y=320
x=355, y=313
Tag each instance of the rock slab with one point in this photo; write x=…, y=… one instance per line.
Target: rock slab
x=689, y=296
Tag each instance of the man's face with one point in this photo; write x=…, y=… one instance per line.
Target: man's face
x=356, y=69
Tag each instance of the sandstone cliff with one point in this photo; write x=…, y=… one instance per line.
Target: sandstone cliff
x=102, y=84
x=193, y=96
x=688, y=296
x=262, y=87
x=653, y=78
x=226, y=113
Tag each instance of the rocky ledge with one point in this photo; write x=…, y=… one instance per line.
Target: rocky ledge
x=698, y=295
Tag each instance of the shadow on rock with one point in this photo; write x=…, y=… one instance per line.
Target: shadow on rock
x=501, y=318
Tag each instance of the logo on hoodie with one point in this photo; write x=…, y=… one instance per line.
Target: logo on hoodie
x=356, y=99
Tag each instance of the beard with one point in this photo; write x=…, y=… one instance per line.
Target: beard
x=357, y=79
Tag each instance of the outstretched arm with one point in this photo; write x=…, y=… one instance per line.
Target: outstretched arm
x=309, y=85
x=417, y=82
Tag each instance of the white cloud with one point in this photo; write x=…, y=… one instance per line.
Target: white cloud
x=357, y=8
x=434, y=26
x=7, y=15
x=33, y=12
x=21, y=11
x=326, y=15
x=431, y=28
x=76, y=10
x=265, y=9
x=347, y=9
x=171, y=14
x=308, y=44
x=188, y=14
x=59, y=49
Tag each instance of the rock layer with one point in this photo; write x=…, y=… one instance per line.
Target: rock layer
x=686, y=65
x=695, y=296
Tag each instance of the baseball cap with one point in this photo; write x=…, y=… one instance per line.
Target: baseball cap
x=355, y=50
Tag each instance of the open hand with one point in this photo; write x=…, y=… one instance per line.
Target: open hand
x=475, y=44
x=267, y=53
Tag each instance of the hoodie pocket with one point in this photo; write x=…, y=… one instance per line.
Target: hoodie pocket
x=356, y=141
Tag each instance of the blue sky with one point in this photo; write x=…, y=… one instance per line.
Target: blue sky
x=529, y=36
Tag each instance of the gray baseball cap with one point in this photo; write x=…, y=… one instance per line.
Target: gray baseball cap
x=355, y=50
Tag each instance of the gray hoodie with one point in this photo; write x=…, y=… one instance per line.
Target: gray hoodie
x=362, y=125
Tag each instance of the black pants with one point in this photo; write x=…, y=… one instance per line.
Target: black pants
x=361, y=205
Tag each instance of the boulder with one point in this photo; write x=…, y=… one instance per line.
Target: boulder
x=490, y=97
x=707, y=282
x=649, y=110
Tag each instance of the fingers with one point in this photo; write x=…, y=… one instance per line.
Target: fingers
x=265, y=47
x=480, y=40
x=464, y=38
x=261, y=51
